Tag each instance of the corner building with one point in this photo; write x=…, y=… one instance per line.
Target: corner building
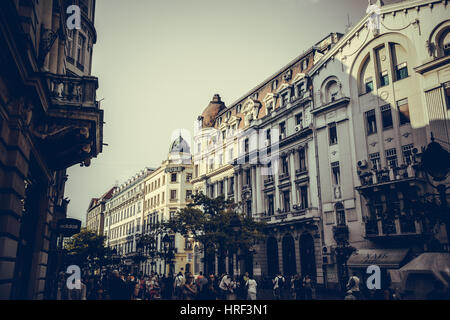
x=50, y=120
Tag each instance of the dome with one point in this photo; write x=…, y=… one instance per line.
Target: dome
x=179, y=145
x=212, y=110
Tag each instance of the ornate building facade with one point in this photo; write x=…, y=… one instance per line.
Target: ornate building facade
x=167, y=190
x=260, y=152
x=49, y=120
x=95, y=216
x=378, y=95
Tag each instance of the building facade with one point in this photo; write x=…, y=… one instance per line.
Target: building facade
x=95, y=216
x=49, y=120
x=123, y=215
x=260, y=152
x=378, y=95
x=167, y=190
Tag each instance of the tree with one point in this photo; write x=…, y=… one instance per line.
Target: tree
x=87, y=247
x=207, y=221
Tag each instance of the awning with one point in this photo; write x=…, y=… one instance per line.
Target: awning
x=384, y=258
x=435, y=263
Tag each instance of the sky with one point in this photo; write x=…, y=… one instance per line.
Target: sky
x=159, y=63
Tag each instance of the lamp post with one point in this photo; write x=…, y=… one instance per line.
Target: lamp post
x=236, y=225
x=435, y=162
x=166, y=241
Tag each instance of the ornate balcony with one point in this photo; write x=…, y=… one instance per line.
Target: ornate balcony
x=73, y=130
x=385, y=175
x=393, y=227
x=341, y=233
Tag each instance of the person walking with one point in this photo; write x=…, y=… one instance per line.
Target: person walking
x=178, y=286
x=117, y=287
x=353, y=285
x=225, y=286
x=278, y=284
x=251, y=286
x=210, y=291
x=298, y=287
x=308, y=287
x=189, y=288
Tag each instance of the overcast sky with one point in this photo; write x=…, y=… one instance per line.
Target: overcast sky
x=160, y=62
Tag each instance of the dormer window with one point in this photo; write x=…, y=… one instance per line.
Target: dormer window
x=284, y=99
x=238, y=108
x=255, y=96
x=274, y=85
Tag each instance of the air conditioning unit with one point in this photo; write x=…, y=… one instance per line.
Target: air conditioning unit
x=298, y=127
x=267, y=143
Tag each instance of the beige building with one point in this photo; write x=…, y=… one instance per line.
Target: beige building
x=123, y=215
x=260, y=152
x=95, y=216
x=166, y=190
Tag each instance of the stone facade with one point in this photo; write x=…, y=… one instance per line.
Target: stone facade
x=49, y=121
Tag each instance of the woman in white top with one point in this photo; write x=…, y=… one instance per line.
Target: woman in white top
x=251, y=288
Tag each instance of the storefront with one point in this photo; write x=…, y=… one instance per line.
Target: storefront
x=386, y=259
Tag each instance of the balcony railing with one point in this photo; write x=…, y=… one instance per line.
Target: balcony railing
x=392, y=227
x=75, y=91
x=386, y=175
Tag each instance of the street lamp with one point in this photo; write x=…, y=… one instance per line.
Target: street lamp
x=435, y=161
x=236, y=225
x=166, y=242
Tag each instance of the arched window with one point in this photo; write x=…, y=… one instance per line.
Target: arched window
x=366, y=81
x=331, y=91
x=340, y=214
x=444, y=43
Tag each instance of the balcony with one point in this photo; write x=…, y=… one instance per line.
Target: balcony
x=73, y=131
x=301, y=172
x=383, y=176
x=341, y=233
x=283, y=176
x=392, y=227
x=268, y=180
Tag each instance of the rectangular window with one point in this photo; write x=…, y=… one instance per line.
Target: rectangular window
x=282, y=130
x=173, y=194
x=332, y=131
x=386, y=116
x=188, y=194
x=384, y=78
x=302, y=159
x=336, y=171
x=299, y=119
x=285, y=165
x=300, y=90
x=401, y=71
x=407, y=154
x=391, y=158
x=287, y=201
x=188, y=177
x=246, y=146
x=371, y=122
x=173, y=177
x=368, y=83
x=403, y=111
x=196, y=170
x=271, y=208
x=304, y=197
x=284, y=99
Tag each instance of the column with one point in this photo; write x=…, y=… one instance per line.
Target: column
x=235, y=187
x=276, y=174
x=225, y=187
x=259, y=194
x=254, y=192
x=294, y=199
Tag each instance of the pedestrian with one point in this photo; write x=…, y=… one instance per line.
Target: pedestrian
x=353, y=285
x=225, y=286
x=278, y=284
x=189, y=288
x=307, y=287
x=201, y=282
x=118, y=288
x=178, y=286
x=210, y=292
x=251, y=286
x=350, y=295
x=298, y=288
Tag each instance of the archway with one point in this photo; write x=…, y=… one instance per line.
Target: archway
x=289, y=265
x=307, y=256
x=272, y=257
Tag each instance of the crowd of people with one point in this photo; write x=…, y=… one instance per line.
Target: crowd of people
x=185, y=286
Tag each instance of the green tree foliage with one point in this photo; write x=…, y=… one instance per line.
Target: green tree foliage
x=208, y=221
x=87, y=247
